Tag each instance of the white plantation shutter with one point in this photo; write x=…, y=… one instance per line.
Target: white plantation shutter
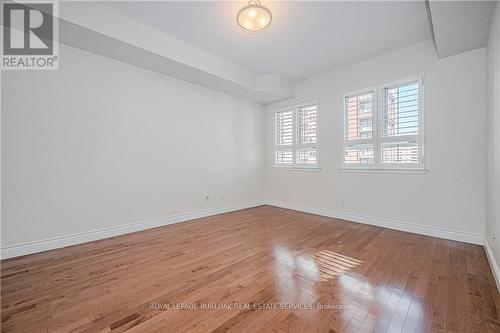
x=399, y=142
x=306, y=152
x=306, y=124
x=296, y=136
x=284, y=137
x=358, y=128
x=284, y=128
x=383, y=126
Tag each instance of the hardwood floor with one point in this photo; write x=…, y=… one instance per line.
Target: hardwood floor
x=267, y=269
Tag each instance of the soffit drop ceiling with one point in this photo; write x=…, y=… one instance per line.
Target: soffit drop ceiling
x=460, y=26
x=304, y=39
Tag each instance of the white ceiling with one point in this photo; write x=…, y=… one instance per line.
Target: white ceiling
x=305, y=38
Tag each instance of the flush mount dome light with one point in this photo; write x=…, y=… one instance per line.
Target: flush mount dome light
x=254, y=16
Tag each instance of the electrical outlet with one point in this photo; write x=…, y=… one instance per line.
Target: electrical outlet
x=342, y=201
x=207, y=198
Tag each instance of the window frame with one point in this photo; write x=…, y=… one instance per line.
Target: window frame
x=378, y=108
x=294, y=147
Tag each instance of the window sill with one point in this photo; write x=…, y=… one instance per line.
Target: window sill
x=412, y=171
x=285, y=168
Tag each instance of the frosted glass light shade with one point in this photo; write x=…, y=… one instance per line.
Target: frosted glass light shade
x=254, y=16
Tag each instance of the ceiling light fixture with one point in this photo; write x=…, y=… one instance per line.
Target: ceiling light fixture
x=254, y=16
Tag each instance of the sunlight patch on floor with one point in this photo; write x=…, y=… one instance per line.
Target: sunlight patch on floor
x=331, y=264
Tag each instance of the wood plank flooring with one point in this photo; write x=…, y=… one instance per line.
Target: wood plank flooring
x=263, y=269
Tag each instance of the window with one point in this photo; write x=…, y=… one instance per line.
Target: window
x=383, y=126
x=296, y=142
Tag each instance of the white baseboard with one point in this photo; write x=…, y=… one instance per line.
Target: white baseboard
x=493, y=263
x=84, y=237
x=79, y=238
x=381, y=222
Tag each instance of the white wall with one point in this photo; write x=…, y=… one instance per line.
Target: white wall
x=450, y=196
x=100, y=143
x=493, y=135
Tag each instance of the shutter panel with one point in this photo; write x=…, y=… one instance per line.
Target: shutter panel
x=306, y=152
x=359, y=117
x=306, y=124
x=284, y=137
x=284, y=128
x=400, y=122
x=306, y=156
x=358, y=128
x=359, y=154
x=401, y=110
x=406, y=152
x=284, y=157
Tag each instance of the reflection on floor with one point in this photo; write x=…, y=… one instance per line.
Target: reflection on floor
x=331, y=264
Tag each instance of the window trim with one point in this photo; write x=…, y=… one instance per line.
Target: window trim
x=294, y=147
x=377, y=119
